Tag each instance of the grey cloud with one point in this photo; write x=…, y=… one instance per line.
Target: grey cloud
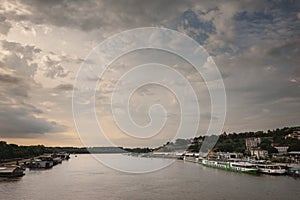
x=88, y=15
x=64, y=87
x=4, y=25
x=259, y=79
x=27, y=51
x=18, y=91
x=19, y=65
x=9, y=79
x=13, y=88
x=54, y=68
x=55, y=71
x=18, y=116
x=289, y=50
x=22, y=123
x=271, y=24
x=25, y=59
x=264, y=73
x=20, y=59
x=259, y=57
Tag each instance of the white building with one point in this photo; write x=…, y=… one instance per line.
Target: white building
x=282, y=150
x=252, y=143
x=258, y=153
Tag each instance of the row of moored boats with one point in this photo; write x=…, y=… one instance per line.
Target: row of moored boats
x=249, y=167
x=42, y=162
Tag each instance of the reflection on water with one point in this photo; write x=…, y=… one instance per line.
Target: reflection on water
x=84, y=177
x=133, y=164
x=2, y=179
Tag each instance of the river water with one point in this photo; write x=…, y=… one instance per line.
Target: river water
x=83, y=177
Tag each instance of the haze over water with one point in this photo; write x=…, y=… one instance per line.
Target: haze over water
x=83, y=177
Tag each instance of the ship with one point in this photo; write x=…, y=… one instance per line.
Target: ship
x=235, y=166
x=266, y=167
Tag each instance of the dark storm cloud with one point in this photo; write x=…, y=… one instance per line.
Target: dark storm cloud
x=20, y=119
x=22, y=123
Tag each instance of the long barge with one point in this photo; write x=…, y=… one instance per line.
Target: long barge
x=241, y=167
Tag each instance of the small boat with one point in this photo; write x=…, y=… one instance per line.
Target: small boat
x=41, y=162
x=57, y=160
x=271, y=169
x=11, y=171
x=191, y=157
x=294, y=171
x=62, y=155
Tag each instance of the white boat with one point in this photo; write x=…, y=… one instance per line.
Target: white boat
x=271, y=169
x=294, y=171
x=62, y=155
x=11, y=171
x=57, y=160
x=266, y=167
x=244, y=167
x=41, y=162
x=191, y=157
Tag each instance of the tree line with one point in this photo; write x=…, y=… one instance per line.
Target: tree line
x=233, y=142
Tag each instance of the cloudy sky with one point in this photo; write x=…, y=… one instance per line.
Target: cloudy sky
x=255, y=44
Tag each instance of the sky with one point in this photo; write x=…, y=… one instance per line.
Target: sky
x=254, y=44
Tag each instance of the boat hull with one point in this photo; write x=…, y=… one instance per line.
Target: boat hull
x=272, y=172
x=11, y=175
x=271, y=169
x=228, y=167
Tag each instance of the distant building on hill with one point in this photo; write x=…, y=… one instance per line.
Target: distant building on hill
x=295, y=156
x=282, y=150
x=258, y=153
x=294, y=135
x=227, y=155
x=253, y=148
x=252, y=143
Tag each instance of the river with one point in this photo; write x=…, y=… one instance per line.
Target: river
x=83, y=177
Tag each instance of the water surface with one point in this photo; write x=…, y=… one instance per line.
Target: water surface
x=83, y=177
